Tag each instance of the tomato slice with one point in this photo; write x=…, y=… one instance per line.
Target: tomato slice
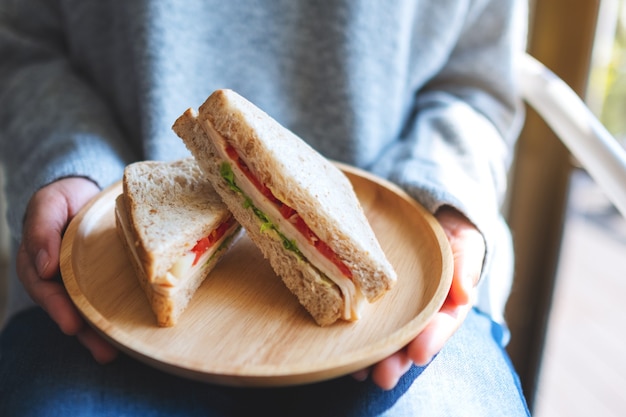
x=289, y=214
x=201, y=246
x=206, y=242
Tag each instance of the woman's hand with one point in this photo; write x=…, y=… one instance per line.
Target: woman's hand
x=47, y=216
x=468, y=249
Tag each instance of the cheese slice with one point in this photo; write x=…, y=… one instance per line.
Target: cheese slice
x=352, y=296
x=183, y=268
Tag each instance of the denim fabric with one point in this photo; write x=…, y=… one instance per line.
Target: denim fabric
x=45, y=373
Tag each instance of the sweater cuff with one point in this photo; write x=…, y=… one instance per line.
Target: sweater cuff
x=96, y=163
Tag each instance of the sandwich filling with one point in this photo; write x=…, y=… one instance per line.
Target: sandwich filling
x=295, y=234
x=197, y=258
x=191, y=263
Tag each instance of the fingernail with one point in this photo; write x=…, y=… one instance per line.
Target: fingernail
x=42, y=261
x=361, y=375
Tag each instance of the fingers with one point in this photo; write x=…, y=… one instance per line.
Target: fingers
x=468, y=249
x=438, y=331
x=421, y=350
x=53, y=298
x=47, y=216
x=43, y=228
x=388, y=372
x=49, y=294
x=361, y=375
x=101, y=350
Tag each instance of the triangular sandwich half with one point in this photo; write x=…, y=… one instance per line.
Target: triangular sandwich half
x=175, y=229
x=296, y=206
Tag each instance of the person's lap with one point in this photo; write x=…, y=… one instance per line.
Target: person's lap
x=43, y=372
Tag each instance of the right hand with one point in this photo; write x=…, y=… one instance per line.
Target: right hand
x=47, y=216
x=468, y=251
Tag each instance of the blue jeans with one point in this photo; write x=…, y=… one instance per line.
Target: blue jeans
x=45, y=373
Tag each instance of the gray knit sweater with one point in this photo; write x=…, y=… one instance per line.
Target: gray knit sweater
x=421, y=92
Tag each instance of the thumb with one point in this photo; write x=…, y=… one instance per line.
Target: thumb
x=47, y=216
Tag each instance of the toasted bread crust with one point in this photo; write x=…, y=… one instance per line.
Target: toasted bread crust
x=164, y=308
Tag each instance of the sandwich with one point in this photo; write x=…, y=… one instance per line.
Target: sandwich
x=296, y=206
x=175, y=228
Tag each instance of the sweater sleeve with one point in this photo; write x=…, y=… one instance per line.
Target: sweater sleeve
x=457, y=144
x=52, y=123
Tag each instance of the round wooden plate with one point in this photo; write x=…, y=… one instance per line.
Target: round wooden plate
x=243, y=327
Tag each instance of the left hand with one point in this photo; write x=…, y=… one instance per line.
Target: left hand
x=48, y=214
x=468, y=250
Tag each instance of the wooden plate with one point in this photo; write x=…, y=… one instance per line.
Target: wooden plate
x=243, y=327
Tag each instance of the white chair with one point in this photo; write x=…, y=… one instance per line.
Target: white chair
x=581, y=132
